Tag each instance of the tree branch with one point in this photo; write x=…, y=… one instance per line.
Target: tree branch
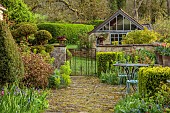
x=139, y=4
x=68, y=5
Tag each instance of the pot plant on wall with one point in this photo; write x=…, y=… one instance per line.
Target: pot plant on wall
x=101, y=38
x=158, y=53
x=166, y=55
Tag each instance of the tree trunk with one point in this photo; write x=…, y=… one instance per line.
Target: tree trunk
x=168, y=7
x=136, y=8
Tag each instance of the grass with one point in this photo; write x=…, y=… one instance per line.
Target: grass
x=83, y=66
x=72, y=46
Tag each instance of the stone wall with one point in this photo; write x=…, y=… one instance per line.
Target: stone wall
x=59, y=53
x=126, y=48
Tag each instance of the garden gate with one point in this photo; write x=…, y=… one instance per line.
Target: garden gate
x=83, y=62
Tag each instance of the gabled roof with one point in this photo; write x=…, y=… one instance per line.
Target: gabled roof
x=123, y=13
x=149, y=26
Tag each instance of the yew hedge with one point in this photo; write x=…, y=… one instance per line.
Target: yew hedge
x=71, y=31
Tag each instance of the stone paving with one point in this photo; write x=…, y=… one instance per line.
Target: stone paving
x=85, y=95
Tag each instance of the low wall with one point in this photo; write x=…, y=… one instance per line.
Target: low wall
x=126, y=48
x=59, y=53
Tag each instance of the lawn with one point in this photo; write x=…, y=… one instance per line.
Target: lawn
x=72, y=46
x=83, y=66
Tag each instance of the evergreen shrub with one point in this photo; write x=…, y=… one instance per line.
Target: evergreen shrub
x=11, y=65
x=71, y=31
x=49, y=48
x=24, y=30
x=96, y=22
x=103, y=57
x=42, y=37
x=150, y=79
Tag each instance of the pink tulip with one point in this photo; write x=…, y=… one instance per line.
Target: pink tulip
x=2, y=93
x=164, y=44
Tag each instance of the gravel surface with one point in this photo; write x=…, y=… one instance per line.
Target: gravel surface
x=85, y=95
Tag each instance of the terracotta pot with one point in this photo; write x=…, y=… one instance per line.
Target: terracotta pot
x=166, y=60
x=159, y=58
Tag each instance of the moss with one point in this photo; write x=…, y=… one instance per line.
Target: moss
x=11, y=65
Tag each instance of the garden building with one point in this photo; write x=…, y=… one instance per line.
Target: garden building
x=115, y=27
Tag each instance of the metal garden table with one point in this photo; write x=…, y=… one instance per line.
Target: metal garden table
x=131, y=71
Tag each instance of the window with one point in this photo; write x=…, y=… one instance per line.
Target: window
x=126, y=24
x=113, y=24
x=116, y=39
x=133, y=27
x=106, y=27
x=119, y=22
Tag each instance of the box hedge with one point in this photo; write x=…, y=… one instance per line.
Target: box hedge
x=103, y=57
x=150, y=78
x=11, y=65
x=71, y=31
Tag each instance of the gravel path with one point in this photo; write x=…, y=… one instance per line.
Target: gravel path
x=85, y=95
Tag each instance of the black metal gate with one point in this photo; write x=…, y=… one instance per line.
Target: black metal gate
x=83, y=62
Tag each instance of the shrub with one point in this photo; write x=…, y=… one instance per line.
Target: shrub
x=47, y=58
x=54, y=80
x=42, y=37
x=65, y=72
x=84, y=41
x=110, y=76
x=71, y=31
x=96, y=22
x=150, y=78
x=141, y=37
x=60, y=77
x=11, y=65
x=18, y=11
x=17, y=100
x=49, y=48
x=135, y=104
x=103, y=57
x=37, y=48
x=24, y=30
x=37, y=70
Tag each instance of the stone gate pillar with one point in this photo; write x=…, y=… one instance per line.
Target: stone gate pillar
x=59, y=53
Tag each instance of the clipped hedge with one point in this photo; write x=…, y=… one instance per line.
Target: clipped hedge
x=71, y=31
x=150, y=78
x=103, y=57
x=11, y=65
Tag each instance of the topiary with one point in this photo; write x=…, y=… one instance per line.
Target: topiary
x=42, y=37
x=24, y=30
x=11, y=65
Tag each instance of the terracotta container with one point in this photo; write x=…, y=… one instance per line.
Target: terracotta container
x=166, y=60
x=159, y=58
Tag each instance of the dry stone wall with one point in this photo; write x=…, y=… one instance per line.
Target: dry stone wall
x=126, y=48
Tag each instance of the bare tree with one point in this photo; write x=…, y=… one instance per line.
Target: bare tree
x=136, y=8
x=168, y=7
